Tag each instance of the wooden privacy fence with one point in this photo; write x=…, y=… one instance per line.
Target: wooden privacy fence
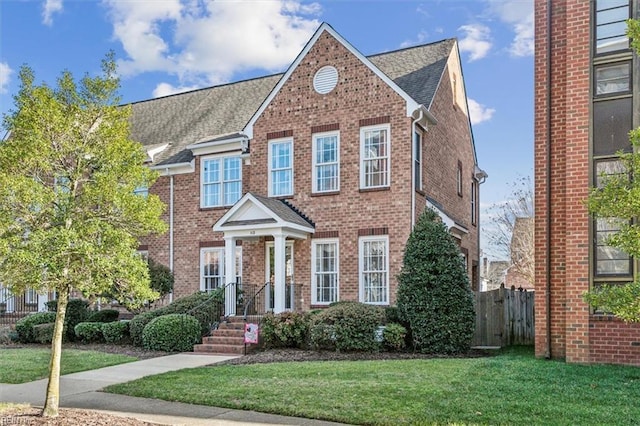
x=504, y=317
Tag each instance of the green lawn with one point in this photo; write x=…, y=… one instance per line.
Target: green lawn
x=21, y=365
x=511, y=388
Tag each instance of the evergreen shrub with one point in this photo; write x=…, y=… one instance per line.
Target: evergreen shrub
x=347, y=326
x=206, y=313
x=43, y=333
x=434, y=296
x=105, y=315
x=116, y=332
x=89, y=332
x=24, y=326
x=285, y=330
x=172, y=333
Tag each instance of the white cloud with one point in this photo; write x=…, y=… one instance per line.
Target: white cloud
x=5, y=76
x=478, y=112
x=206, y=42
x=420, y=38
x=519, y=15
x=48, y=9
x=166, y=89
x=476, y=41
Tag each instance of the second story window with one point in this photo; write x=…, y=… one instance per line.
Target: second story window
x=417, y=160
x=611, y=16
x=280, y=167
x=374, y=156
x=459, y=178
x=326, y=162
x=221, y=179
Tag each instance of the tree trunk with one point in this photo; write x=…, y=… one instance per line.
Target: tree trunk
x=53, y=388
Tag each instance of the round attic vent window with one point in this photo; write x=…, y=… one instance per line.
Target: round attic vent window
x=325, y=79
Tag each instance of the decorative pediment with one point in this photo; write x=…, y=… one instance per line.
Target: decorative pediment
x=257, y=216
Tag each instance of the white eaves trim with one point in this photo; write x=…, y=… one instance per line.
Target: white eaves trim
x=156, y=149
x=411, y=104
x=175, y=168
x=218, y=145
x=250, y=208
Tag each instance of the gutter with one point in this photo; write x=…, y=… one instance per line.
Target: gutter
x=170, y=228
x=547, y=354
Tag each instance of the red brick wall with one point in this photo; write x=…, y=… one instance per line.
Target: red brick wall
x=613, y=341
x=573, y=335
x=297, y=108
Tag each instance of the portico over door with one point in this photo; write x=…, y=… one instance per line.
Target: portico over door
x=252, y=217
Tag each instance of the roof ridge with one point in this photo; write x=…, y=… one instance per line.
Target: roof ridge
x=417, y=46
x=231, y=83
x=201, y=89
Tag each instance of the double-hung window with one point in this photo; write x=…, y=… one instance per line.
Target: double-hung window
x=212, y=274
x=374, y=156
x=324, y=265
x=221, y=179
x=374, y=269
x=280, y=167
x=326, y=162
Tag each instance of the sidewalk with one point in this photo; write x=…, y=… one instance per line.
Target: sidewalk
x=80, y=390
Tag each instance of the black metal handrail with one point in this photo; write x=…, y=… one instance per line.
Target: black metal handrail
x=252, y=300
x=211, y=311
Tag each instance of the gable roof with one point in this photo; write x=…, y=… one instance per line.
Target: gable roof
x=254, y=212
x=187, y=118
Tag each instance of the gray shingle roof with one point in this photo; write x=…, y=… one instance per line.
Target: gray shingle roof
x=284, y=210
x=186, y=118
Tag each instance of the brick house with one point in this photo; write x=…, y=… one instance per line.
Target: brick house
x=587, y=99
x=314, y=176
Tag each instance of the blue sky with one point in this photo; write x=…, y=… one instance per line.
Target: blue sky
x=165, y=46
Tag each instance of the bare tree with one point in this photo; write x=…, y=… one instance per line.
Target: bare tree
x=511, y=231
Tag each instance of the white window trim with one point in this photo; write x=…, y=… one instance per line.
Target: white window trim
x=417, y=160
x=204, y=250
x=314, y=243
x=314, y=165
x=221, y=181
x=361, y=241
x=363, y=130
x=269, y=170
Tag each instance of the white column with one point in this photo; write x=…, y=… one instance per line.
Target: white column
x=279, y=273
x=230, y=275
x=42, y=302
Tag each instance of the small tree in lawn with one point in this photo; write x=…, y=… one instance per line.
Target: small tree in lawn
x=434, y=297
x=69, y=218
x=618, y=198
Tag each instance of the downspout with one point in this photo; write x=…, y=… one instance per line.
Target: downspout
x=547, y=354
x=413, y=167
x=170, y=228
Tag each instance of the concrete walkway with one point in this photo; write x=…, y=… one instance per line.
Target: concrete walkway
x=80, y=390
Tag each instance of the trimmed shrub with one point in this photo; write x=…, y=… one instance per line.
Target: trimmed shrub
x=393, y=337
x=24, y=326
x=434, y=296
x=206, y=313
x=161, y=278
x=105, y=315
x=77, y=312
x=347, y=326
x=285, y=330
x=116, y=332
x=171, y=333
x=43, y=333
x=391, y=314
x=89, y=332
